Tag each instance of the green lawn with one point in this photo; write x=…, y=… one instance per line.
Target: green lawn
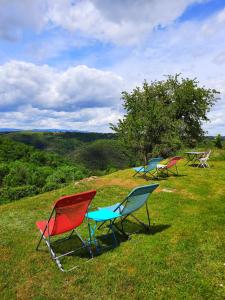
x=182, y=258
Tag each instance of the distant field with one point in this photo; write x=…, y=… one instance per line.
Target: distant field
x=182, y=258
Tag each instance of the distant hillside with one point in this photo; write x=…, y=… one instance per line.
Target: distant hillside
x=33, y=162
x=59, y=142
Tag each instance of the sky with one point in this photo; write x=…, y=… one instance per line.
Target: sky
x=64, y=63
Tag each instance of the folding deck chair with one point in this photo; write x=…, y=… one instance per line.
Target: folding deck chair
x=135, y=200
x=149, y=168
x=167, y=168
x=203, y=161
x=68, y=214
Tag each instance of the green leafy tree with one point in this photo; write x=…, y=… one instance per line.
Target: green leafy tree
x=147, y=126
x=218, y=142
x=162, y=114
x=190, y=104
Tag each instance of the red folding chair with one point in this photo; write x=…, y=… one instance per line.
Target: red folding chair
x=68, y=214
x=167, y=168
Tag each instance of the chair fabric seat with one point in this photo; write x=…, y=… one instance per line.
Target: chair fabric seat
x=103, y=214
x=117, y=207
x=42, y=224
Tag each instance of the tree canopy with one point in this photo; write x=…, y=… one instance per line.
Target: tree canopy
x=163, y=114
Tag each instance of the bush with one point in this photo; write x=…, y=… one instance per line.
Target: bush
x=21, y=173
x=218, y=141
x=14, y=193
x=18, y=174
x=4, y=170
x=11, y=151
x=38, y=175
x=49, y=186
x=66, y=174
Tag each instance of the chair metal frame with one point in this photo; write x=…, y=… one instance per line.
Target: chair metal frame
x=47, y=239
x=203, y=161
x=145, y=169
x=121, y=206
x=168, y=169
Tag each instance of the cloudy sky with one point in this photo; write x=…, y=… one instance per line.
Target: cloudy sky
x=64, y=63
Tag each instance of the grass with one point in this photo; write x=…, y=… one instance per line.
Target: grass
x=182, y=258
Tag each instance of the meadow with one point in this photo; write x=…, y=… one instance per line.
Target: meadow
x=182, y=257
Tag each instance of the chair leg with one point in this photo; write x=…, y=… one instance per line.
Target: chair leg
x=121, y=230
x=57, y=258
x=151, y=174
x=135, y=174
x=139, y=221
x=113, y=233
x=39, y=242
x=148, y=215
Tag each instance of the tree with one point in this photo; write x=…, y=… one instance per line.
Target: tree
x=218, y=141
x=147, y=126
x=190, y=104
x=162, y=114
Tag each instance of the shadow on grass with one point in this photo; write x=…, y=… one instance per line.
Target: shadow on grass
x=164, y=177
x=105, y=242
x=197, y=166
x=131, y=227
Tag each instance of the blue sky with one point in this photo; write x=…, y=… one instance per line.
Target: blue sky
x=63, y=64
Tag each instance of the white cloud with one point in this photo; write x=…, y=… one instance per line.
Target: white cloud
x=78, y=98
x=123, y=22
x=45, y=87
x=19, y=15
x=87, y=119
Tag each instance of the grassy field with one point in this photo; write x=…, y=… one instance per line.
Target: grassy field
x=182, y=258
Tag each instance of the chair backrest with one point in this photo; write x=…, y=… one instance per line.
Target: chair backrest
x=173, y=161
x=207, y=154
x=137, y=198
x=153, y=163
x=70, y=211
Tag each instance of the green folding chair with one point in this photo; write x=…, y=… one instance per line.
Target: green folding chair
x=136, y=199
x=148, y=168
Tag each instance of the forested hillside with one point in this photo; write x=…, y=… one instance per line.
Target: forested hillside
x=32, y=163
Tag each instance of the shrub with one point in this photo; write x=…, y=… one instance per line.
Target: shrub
x=18, y=174
x=66, y=174
x=49, y=186
x=38, y=175
x=218, y=141
x=14, y=193
x=4, y=170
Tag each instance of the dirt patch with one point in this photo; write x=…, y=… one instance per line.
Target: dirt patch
x=187, y=194
x=86, y=180
x=104, y=181
x=168, y=190
x=127, y=183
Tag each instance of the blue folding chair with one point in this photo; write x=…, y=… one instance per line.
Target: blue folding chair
x=135, y=200
x=149, y=168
